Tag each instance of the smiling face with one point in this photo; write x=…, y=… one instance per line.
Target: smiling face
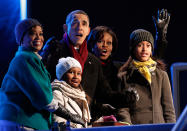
x=73, y=77
x=77, y=29
x=33, y=39
x=103, y=47
x=143, y=51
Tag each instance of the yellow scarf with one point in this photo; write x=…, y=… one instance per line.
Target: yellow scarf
x=145, y=68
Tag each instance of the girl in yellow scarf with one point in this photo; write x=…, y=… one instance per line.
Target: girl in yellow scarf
x=155, y=103
x=141, y=46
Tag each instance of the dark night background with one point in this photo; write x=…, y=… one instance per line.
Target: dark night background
x=122, y=17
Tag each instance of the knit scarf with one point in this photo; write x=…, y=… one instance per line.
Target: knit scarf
x=80, y=55
x=74, y=93
x=145, y=68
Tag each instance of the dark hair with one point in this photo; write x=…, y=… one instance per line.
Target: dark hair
x=97, y=34
x=71, y=14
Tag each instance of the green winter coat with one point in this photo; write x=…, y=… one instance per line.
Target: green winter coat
x=25, y=91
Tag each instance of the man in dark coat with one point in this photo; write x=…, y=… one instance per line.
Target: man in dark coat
x=74, y=44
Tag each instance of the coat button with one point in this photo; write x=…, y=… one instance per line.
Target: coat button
x=153, y=73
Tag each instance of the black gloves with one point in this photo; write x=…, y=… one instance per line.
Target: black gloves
x=66, y=114
x=131, y=96
x=161, y=23
x=107, y=109
x=134, y=93
x=124, y=99
x=99, y=109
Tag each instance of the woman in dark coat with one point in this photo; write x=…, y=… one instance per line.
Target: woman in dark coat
x=102, y=42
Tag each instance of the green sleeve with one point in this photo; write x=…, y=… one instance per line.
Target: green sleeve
x=29, y=74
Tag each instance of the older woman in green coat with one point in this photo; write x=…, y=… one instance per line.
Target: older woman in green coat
x=26, y=100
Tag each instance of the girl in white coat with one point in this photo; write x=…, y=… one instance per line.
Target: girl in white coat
x=68, y=91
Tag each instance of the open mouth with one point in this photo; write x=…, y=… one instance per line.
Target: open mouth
x=79, y=35
x=103, y=52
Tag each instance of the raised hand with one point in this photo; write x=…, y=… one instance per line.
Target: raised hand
x=161, y=22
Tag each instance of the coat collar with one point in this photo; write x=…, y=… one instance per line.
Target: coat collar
x=29, y=50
